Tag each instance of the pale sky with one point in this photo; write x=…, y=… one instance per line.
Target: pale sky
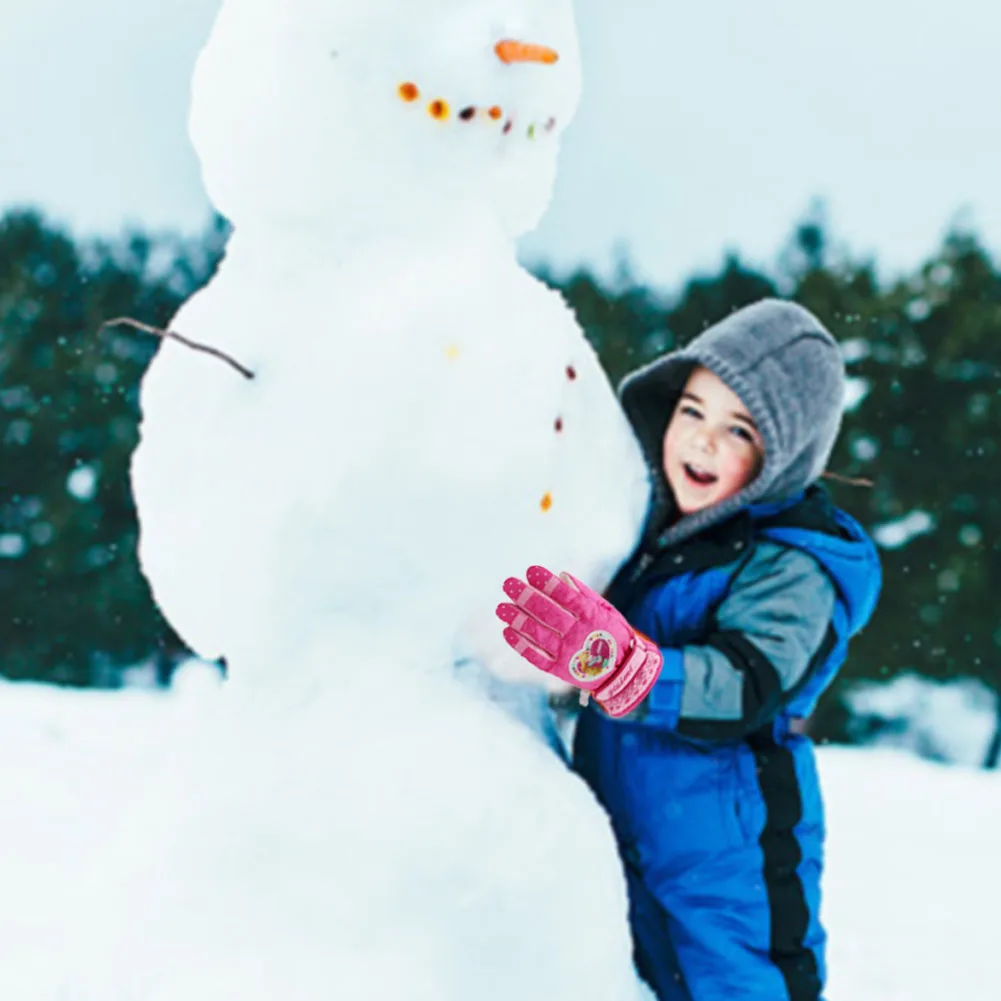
x=705, y=125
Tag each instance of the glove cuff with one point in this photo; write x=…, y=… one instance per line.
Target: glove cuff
x=632, y=682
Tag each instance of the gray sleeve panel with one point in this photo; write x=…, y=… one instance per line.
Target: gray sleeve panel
x=782, y=603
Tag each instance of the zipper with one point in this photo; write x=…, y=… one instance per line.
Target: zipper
x=641, y=565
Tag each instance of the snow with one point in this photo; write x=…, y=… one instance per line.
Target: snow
x=952, y=721
x=854, y=349
x=856, y=390
x=330, y=143
x=424, y=419
x=897, y=533
x=910, y=897
x=913, y=878
x=82, y=483
x=12, y=545
x=370, y=806
x=154, y=848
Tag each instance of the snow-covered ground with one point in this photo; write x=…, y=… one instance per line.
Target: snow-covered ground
x=914, y=879
x=72, y=764
x=952, y=721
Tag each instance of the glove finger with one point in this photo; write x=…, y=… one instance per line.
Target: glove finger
x=541, y=608
x=592, y=609
x=521, y=622
x=579, y=585
x=575, y=602
x=535, y=656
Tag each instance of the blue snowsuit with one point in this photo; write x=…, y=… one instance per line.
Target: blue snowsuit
x=718, y=813
x=713, y=797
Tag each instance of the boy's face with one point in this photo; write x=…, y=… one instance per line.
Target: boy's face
x=712, y=447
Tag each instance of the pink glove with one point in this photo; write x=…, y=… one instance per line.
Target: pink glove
x=562, y=627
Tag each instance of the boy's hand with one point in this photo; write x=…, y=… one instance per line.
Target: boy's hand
x=562, y=627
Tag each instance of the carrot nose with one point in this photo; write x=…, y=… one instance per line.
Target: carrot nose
x=510, y=51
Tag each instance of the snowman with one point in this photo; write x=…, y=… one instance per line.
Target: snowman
x=424, y=418
x=408, y=418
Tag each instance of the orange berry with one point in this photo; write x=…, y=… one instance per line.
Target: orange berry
x=547, y=502
x=495, y=113
x=439, y=109
x=409, y=92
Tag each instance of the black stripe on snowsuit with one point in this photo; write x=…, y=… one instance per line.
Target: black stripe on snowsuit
x=763, y=695
x=790, y=911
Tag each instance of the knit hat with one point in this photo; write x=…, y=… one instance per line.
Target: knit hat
x=787, y=370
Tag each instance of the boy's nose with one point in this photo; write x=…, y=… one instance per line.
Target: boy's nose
x=703, y=440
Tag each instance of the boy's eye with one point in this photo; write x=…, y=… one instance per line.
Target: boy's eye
x=742, y=432
x=690, y=411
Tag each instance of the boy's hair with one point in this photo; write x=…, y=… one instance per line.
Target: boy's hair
x=787, y=370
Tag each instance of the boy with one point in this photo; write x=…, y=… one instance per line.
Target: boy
x=719, y=633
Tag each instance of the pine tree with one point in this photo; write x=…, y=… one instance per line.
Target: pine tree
x=73, y=604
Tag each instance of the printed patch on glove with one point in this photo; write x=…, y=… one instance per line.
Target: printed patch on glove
x=596, y=659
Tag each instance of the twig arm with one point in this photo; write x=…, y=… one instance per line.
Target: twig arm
x=125, y=321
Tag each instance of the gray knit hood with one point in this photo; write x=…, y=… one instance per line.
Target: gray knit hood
x=789, y=373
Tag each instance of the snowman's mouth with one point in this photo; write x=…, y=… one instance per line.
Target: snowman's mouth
x=700, y=477
x=475, y=115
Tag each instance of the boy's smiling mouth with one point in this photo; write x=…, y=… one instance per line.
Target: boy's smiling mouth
x=700, y=477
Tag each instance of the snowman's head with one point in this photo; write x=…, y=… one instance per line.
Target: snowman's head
x=385, y=114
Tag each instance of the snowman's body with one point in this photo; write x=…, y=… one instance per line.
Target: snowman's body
x=424, y=419
x=446, y=434
x=419, y=846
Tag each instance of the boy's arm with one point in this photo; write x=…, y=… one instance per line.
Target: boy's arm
x=772, y=624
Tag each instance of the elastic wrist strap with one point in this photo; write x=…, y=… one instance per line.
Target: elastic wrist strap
x=631, y=683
